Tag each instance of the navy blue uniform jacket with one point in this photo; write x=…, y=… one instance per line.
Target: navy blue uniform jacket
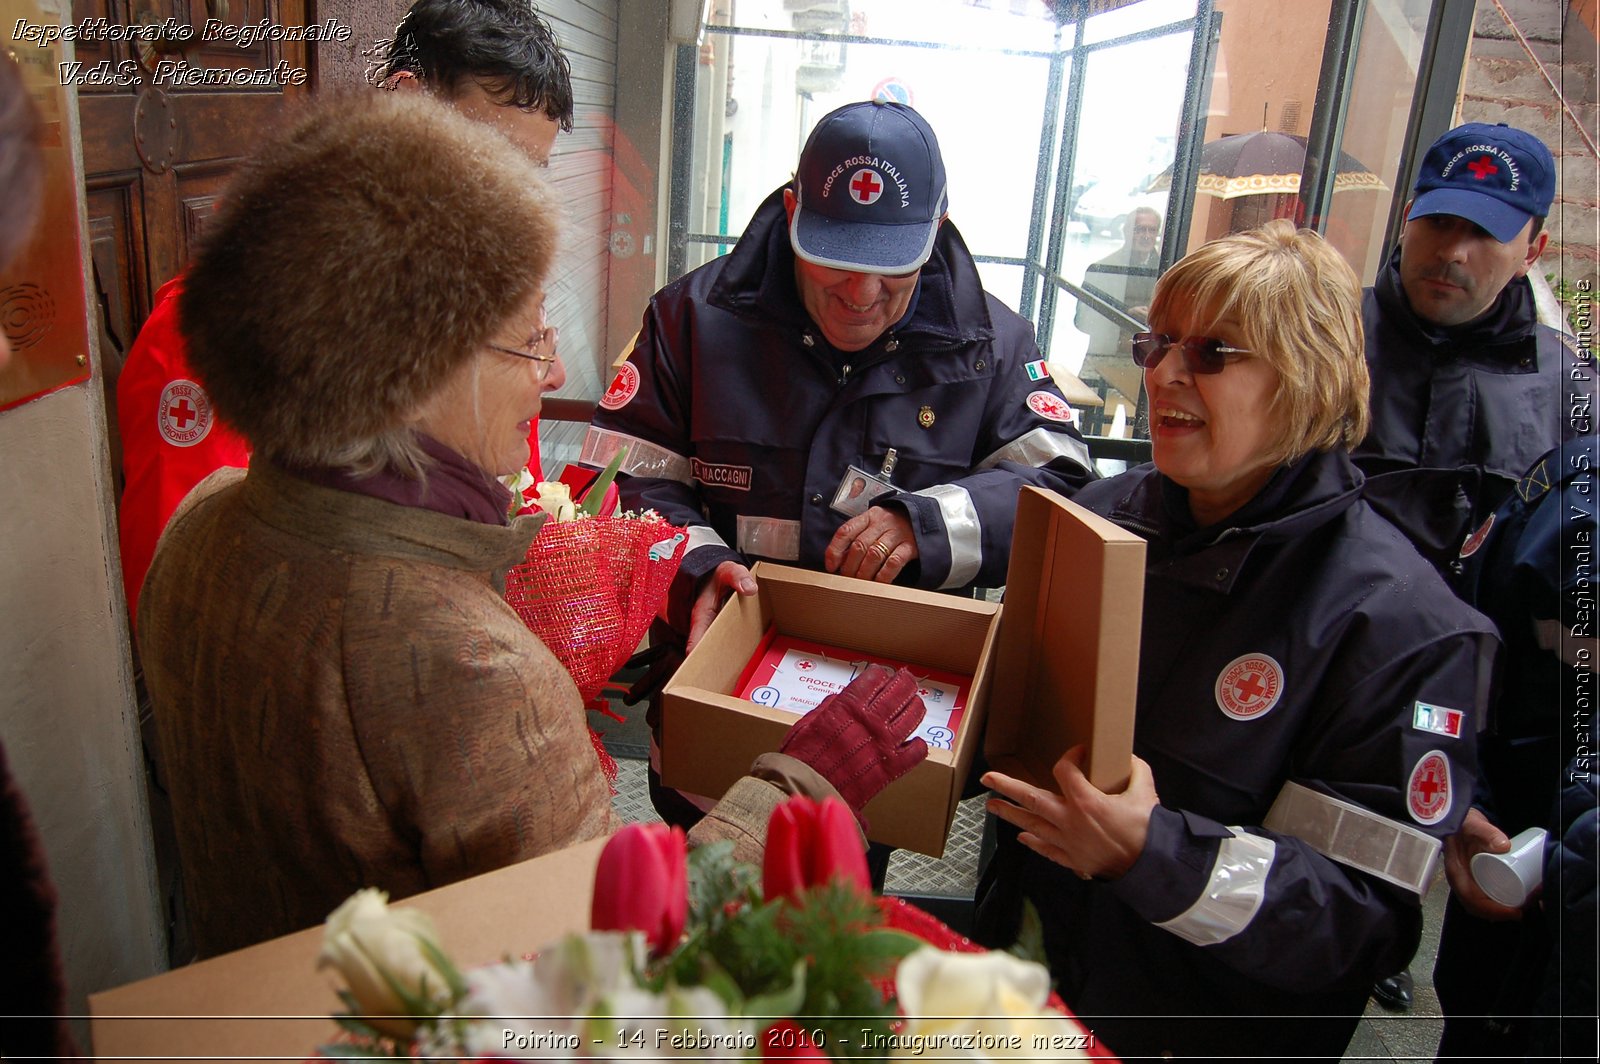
x=1295, y=642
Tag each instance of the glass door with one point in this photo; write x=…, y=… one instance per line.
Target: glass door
x=1133, y=103
x=1075, y=132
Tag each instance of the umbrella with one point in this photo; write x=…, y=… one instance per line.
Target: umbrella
x=1264, y=163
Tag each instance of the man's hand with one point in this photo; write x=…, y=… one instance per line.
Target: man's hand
x=714, y=590
x=1477, y=835
x=1082, y=828
x=875, y=545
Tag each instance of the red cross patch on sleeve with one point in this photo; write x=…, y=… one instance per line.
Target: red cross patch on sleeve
x=1428, y=797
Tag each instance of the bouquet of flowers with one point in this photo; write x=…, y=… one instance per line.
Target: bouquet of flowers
x=591, y=583
x=694, y=955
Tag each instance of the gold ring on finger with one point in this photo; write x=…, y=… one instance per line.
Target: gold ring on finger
x=880, y=550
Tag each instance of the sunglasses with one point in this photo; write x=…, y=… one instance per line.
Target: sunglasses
x=1201, y=354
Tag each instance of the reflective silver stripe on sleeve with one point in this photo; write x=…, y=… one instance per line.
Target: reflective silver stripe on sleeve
x=1233, y=896
x=769, y=537
x=644, y=459
x=703, y=536
x=1357, y=837
x=1038, y=448
x=962, y=529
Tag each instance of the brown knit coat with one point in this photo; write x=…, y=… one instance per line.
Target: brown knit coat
x=343, y=699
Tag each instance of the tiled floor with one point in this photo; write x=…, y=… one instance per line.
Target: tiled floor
x=1382, y=1036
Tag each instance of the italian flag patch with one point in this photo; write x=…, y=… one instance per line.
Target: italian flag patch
x=1037, y=370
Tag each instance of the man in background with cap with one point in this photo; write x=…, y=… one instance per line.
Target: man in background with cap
x=1468, y=391
x=847, y=335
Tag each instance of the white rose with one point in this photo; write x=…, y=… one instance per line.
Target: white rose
x=995, y=995
x=385, y=957
x=555, y=499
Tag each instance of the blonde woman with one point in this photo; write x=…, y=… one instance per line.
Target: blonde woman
x=1308, y=693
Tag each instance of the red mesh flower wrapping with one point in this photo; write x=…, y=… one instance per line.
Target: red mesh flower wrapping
x=589, y=588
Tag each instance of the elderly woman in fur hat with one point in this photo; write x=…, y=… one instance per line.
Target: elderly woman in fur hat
x=342, y=696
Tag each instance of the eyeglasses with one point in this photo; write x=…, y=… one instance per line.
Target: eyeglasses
x=1152, y=229
x=1201, y=354
x=541, y=348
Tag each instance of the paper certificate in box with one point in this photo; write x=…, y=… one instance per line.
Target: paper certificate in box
x=796, y=675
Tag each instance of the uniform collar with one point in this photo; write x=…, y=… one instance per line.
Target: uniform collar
x=1512, y=318
x=1299, y=497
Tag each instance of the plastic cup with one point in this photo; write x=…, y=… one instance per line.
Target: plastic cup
x=1510, y=877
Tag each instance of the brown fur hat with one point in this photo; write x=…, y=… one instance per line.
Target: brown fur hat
x=362, y=255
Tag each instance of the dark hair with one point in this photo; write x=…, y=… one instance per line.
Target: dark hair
x=21, y=166
x=502, y=43
x=1538, y=224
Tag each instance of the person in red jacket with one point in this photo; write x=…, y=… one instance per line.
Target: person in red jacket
x=495, y=61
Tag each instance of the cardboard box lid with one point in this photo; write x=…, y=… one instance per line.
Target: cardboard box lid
x=1066, y=665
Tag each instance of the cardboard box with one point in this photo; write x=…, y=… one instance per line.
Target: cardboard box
x=710, y=737
x=1057, y=666
x=269, y=1001
x=1067, y=667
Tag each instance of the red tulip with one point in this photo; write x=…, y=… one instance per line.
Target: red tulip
x=787, y=1040
x=810, y=843
x=642, y=884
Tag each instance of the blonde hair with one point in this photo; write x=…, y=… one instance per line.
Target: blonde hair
x=1298, y=307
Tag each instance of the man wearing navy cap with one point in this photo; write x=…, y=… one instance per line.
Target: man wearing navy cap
x=847, y=335
x=1468, y=389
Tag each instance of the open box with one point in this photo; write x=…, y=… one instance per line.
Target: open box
x=1067, y=666
x=1057, y=666
x=709, y=736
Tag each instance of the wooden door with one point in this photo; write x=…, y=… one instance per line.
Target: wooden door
x=168, y=124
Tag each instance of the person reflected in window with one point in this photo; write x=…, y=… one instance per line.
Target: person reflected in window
x=1126, y=278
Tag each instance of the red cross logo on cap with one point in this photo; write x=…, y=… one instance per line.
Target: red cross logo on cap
x=866, y=187
x=1249, y=686
x=1482, y=167
x=1428, y=793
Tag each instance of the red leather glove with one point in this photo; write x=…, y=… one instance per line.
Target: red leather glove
x=856, y=739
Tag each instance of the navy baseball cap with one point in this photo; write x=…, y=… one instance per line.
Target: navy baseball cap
x=1494, y=176
x=870, y=190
